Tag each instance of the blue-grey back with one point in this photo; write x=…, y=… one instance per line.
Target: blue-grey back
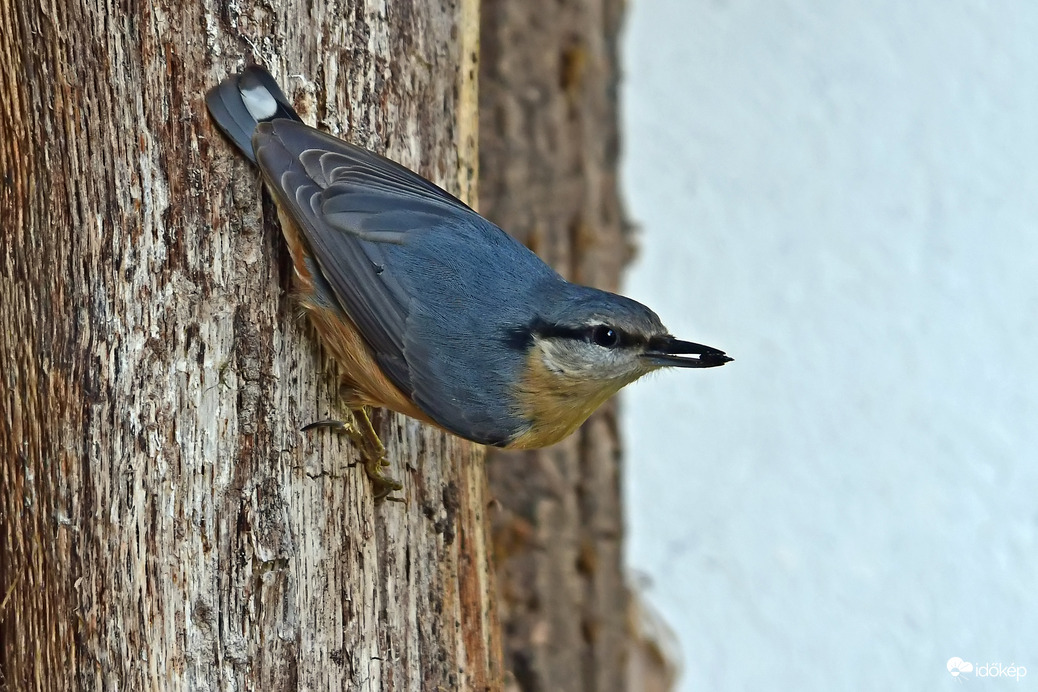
x=472, y=288
x=434, y=288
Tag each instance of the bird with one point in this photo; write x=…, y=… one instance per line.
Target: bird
x=430, y=309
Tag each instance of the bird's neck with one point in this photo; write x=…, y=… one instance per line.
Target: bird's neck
x=555, y=404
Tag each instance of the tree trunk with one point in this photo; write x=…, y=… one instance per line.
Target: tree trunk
x=549, y=145
x=163, y=522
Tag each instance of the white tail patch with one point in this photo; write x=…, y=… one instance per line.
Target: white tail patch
x=259, y=102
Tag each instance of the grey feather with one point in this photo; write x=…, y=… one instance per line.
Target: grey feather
x=232, y=103
x=418, y=272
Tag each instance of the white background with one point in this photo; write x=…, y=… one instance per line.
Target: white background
x=844, y=196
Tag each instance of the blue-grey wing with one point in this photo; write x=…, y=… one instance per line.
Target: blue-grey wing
x=403, y=258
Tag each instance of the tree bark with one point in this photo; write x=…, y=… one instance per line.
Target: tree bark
x=549, y=145
x=163, y=522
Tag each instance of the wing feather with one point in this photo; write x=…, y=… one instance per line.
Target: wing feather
x=364, y=218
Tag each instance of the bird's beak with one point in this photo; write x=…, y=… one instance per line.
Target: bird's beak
x=666, y=351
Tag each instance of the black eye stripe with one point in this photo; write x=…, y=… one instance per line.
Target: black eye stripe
x=558, y=331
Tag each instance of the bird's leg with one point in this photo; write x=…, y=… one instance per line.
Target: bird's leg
x=375, y=458
x=372, y=451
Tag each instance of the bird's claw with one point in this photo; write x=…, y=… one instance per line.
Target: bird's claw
x=382, y=484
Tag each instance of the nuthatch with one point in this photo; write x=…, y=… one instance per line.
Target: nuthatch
x=430, y=309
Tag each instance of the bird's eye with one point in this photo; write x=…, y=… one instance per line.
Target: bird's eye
x=604, y=336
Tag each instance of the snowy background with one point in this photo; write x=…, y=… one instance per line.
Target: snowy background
x=843, y=196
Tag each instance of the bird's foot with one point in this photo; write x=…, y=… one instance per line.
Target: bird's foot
x=372, y=451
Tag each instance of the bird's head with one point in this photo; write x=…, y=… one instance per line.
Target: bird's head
x=604, y=337
x=585, y=349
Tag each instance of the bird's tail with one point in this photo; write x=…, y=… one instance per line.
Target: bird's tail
x=242, y=101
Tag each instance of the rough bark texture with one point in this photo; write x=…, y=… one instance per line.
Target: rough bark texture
x=163, y=522
x=548, y=174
